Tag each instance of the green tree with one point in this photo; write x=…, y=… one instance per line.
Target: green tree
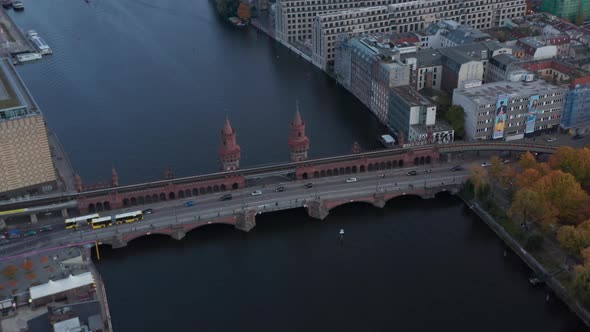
x=455, y=115
x=570, y=239
x=530, y=205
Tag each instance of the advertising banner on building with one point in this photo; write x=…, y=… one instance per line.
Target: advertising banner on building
x=532, y=114
x=500, y=119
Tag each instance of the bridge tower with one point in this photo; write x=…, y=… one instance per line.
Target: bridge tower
x=229, y=151
x=114, y=178
x=298, y=141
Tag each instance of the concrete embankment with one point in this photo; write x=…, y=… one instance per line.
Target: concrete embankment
x=550, y=280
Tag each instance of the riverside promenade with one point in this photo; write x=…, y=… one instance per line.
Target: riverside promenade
x=12, y=38
x=531, y=262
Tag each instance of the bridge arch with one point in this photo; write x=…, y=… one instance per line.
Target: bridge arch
x=354, y=168
x=187, y=193
x=428, y=160
x=341, y=170
x=329, y=172
x=140, y=200
x=209, y=189
x=133, y=201
x=362, y=201
x=223, y=187
x=195, y=192
x=323, y=173
x=304, y=176
x=362, y=169
x=234, y=186
x=316, y=174
x=181, y=194
x=162, y=197
x=125, y=201
x=91, y=208
x=99, y=207
x=154, y=198
x=202, y=190
x=401, y=163
x=171, y=195
x=347, y=170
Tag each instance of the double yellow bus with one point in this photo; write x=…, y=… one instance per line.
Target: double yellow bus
x=73, y=223
x=128, y=217
x=102, y=222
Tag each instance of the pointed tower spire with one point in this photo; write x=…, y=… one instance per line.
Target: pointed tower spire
x=114, y=177
x=229, y=151
x=298, y=141
x=356, y=148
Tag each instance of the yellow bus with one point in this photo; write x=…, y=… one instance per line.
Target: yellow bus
x=102, y=222
x=72, y=223
x=128, y=217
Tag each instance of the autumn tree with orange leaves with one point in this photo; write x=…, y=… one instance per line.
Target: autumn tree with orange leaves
x=244, y=11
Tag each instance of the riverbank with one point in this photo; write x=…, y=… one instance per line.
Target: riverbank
x=553, y=283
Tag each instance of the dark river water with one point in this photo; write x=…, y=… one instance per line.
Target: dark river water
x=146, y=84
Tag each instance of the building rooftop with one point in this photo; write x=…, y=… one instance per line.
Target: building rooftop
x=465, y=34
x=504, y=59
x=489, y=92
x=425, y=58
x=13, y=92
x=411, y=96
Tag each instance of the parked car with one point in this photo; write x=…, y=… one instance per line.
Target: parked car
x=280, y=189
x=350, y=180
x=256, y=193
x=457, y=168
x=308, y=185
x=578, y=136
x=505, y=161
x=551, y=139
x=189, y=203
x=18, y=5
x=30, y=233
x=412, y=173
x=225, y=197
x=486, y=164
x=148, y=211
x=44, y=229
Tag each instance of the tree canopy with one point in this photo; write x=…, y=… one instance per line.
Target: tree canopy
x=244, y=11
x=455, y=115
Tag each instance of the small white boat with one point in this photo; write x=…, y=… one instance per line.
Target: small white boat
x=26, y=57
x=39, y=43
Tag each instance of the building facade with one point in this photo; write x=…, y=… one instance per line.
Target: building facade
x=568, y=9
x=407, y=107
x=510, y=110
x=402, y=16
x=576, y=114
x=25, y=157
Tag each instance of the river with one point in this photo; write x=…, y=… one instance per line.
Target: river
x=146, y=84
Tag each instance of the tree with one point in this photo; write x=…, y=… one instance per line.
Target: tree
x=573, y=161
x=586, y=256
x=581, y=284
x=244, y=11
x=562, y=191
x=571, y=239
x=480, y=182
x=527, y=178
x=455, y=115
x=529, y=205
x=527, y=161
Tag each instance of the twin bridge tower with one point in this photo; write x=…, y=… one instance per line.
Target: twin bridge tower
x=229, y=151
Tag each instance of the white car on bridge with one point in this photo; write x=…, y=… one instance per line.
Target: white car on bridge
x=350, y=180
x=256, y=193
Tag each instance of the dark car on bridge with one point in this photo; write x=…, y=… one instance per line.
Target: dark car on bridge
x=308, y=185
x=225, y=197
x=457, y=168
x=148, y=211
x=280, y=189
x=44, y=229
x=412, y=173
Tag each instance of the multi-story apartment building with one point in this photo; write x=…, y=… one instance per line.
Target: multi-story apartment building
x=576, y=113
x=368, y=67
x=509, y=110
x=404, y=16
x=25, y=158
x=294, y=17
x=413, y=117
x=568, y=9
x=329, y=28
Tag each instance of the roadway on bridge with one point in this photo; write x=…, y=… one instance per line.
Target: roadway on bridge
x=208, y=207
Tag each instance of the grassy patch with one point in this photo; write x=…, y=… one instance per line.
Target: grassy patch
x=12, y=101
